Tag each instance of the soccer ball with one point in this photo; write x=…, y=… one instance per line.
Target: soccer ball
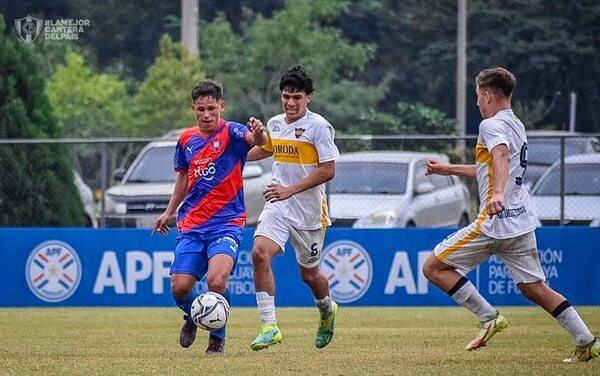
x=210, y=311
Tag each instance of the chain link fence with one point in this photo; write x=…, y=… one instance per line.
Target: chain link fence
x=380, y=181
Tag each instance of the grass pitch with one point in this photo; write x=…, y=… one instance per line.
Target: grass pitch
x=368, y=341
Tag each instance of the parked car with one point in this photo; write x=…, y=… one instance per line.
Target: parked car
x=144, y=190
x=383, y=189
x=542, y=152
x=581, y=189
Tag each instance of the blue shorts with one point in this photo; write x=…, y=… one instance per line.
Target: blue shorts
x=193, y=250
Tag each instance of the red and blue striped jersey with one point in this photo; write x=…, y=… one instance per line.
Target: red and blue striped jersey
x=214, y=164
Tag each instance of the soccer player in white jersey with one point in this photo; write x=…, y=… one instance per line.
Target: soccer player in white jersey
x=304, y=153
x=504, y=226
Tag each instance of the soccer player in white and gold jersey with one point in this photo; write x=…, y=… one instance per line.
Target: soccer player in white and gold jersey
x=504, y=227
x=301, y=143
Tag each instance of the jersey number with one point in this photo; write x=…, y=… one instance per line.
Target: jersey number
x=314, y=250
x=522, y=162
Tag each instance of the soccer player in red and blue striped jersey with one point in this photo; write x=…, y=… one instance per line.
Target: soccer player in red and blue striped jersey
x=209, y=159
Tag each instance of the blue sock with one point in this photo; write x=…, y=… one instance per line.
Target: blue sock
x=186, y=304
x=221, y=333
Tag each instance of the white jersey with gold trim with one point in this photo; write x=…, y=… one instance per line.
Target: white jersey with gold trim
x=516, y=219
x=298, y=148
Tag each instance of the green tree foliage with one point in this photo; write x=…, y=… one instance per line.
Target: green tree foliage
x=37, y=186
x=86, y=104
x=163, y=100
x=250, y=65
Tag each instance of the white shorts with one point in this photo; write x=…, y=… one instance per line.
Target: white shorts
x=469, y=247
x=307, y=244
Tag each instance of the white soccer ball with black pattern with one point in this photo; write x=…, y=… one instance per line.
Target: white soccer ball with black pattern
x=210, y=311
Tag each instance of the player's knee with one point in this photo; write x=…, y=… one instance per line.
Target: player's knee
x=430, y=269
x=260, y=257
x=180, y=290
x=309, y=277
x=217, y=283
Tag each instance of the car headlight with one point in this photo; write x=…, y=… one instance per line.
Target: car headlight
x=112, y=206
x=384, y=219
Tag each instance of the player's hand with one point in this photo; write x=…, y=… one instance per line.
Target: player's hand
x=276, y=192
x=255, y=125
x=161, y=225
x=495, y=205
x=435, y=167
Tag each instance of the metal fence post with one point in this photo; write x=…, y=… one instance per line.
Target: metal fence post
x=103, y=182
x=562, y=181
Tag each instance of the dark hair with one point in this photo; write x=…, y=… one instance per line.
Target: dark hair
x=296, y=79
x=500, y=80
x=207, y=88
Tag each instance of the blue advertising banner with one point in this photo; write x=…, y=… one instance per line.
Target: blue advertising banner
x=127, y=267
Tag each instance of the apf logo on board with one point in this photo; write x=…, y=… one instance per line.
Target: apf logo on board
x=53, y=271
x=348, y=268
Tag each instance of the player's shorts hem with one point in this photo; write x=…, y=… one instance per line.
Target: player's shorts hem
x=281, y=246
x=184, y=271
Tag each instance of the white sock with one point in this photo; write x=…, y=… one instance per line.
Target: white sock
x=266, y=308
x=572, y=322
x=324, y=306
x=468, y=297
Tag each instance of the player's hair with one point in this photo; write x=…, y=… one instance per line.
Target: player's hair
x=296, y=79
x=499, y=80
x=207, y=88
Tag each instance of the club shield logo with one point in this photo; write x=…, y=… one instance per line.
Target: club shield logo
x=29, y=28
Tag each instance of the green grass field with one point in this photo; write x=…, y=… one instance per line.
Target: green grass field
x=368, y=341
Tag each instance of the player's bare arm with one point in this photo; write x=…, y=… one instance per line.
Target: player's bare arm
x=323, y=173
x=500, y=159
x=257, y=135
x=435, y=167
x=257, y=153
x=161, y=223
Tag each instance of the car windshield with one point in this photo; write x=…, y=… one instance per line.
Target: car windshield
x=155, y=166
x=580, y=179
x=369, y=178
x=547, y=151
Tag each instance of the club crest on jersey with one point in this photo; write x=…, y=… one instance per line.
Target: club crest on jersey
x=216, y=144
x=298, y=132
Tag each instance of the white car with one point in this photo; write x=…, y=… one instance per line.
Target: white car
x=543, y=151
x=145, y=188
x=384, y=189
x=581, y=192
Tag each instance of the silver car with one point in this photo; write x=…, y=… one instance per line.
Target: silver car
x=581, y=190
x=384, y=189
x=145, y=189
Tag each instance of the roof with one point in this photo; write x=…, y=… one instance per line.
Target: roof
x=389, y=156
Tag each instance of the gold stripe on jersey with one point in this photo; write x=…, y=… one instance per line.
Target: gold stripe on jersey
x=292, y=151
x=483, y=156
x=324, y=218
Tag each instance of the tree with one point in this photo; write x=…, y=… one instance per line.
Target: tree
x=163, y=99
x=86, y=104
x=298, y=34
x=37, y=186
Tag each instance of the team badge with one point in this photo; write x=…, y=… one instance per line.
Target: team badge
x=348, y=268
x=53, y=271
x=298, y=132
x=28, y=28
x=216, y=144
